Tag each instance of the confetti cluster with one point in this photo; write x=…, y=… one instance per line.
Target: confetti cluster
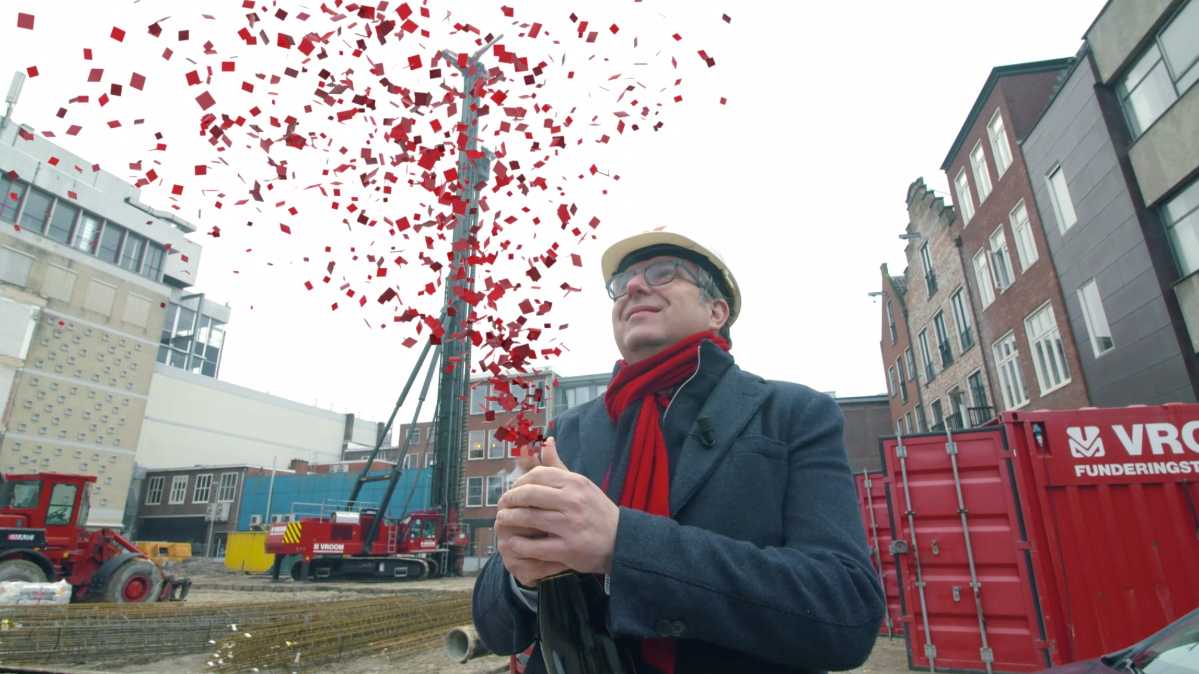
x=347, y=120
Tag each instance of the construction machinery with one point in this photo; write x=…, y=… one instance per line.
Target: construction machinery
x=354, y=542
x=44, y=538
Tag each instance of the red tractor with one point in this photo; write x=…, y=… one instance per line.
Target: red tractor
x=43, y=538
x=362, y=546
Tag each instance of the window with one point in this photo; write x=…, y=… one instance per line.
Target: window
x=62, y=223
x=899, y=426
x=89, y=231
x=474, y=492
x=153, y=489
x=1048, y=355
x=891, y=322
x=982, y=275
x=921, y=424
x=478, y=398
x=999, y=145
x=903, y=386
x=1059, y=196
x=911, y=361
x=1011, y=378
x=413, y=436
x=962, y=320
x=907, y=417
x=15, y=267
x=8, y=205
x=178, y=489
x=943, y=340
x=429, y=459
x=228, y=487
x=1001, y=266
x=982, y=177
x=930, y=275
x=476, y=440
x=37, y=211
x=495, y=489
x=131, y=256
x=495, y=448
x=891, y=380
x=203, y=488
x=1096, y=318
x=110, y=243
x=926, y=357
x=1026, y=246
x=1165, y=71
x=152, y=264
x=62, y=501
x=938, y=416
x=979, y=410
x=409, y=461
x=965, y=201
x=1181, y=215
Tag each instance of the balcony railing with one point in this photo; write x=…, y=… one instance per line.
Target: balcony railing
x=946, y=354
x=980, y=415
x=952, y=422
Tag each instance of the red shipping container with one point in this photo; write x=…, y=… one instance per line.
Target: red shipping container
x=1055, y=537
x=874, y=500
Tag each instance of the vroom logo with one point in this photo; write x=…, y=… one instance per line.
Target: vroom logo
x=1085, y=442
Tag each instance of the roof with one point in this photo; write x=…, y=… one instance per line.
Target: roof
x=900, y=284
x=998, y=73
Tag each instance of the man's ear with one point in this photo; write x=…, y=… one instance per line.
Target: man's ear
x=718, y=314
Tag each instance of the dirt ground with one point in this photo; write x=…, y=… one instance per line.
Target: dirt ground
x=214, y=584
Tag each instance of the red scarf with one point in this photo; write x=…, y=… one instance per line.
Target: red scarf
x=647, y=483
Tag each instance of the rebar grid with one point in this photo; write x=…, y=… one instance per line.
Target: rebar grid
x=237, y=636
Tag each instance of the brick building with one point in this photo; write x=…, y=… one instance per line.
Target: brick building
x=949, y=367
x=899, y=358
x=1028, y=350
x=867, y=418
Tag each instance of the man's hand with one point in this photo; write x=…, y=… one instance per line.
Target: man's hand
x=572, y=522
x=528, y=572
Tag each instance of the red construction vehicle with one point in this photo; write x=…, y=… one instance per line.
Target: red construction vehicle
x=43, y=538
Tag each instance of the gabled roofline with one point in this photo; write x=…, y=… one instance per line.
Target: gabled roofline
x=998, y=73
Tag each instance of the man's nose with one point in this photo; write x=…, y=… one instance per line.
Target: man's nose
x=637, y=286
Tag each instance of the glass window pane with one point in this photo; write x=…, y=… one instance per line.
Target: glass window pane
x=63, y=222
x=152, y=265
x=1178, y=41
x=131, y=257
x=10, y=198
x=110, y=243
x=1182, y=222
x=1150, y=98
x=89, y=230
x=37, y=211
x=182, y=338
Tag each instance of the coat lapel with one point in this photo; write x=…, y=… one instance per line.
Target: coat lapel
x=730, y=407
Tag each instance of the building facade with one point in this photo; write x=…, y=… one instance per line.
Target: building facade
x=1113, y=162
x=867, y=418
x=950, y=368
x=1027, y=345
x=899, y=359
x=86, y=272
x=193, y=505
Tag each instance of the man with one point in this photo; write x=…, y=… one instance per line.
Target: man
x=718, y=507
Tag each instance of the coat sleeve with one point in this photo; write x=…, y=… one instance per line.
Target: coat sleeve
x=504, y=621
x=813, y=602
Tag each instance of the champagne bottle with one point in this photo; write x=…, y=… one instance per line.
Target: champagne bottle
x=572, y=611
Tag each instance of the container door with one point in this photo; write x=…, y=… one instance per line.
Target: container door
x=1116, y=489
x=962, y=555
x=876, y=515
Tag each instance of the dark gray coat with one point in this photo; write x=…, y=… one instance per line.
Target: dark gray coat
x=763, y=564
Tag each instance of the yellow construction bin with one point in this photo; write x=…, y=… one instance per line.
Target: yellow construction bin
x=165, y=554
x=246, y=552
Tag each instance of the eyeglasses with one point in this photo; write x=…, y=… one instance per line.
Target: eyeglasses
x=657, y=274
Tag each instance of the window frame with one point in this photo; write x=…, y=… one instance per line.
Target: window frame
x=1179, y=80
x=961, y=319
x=231, y=487
x=1055, y=199
x=964, y=202
x=930, y=273
x=1056, y=349
x=207, y=487
x=154, y=490
x=1184, y=220
x=982, y=275
x=1089, y=317
x=910, y=360
x=903, y=388
x=178, y=483
x=1003, y=159
x=891, y=381
x=999, y=254
x=1007, y=364
x=471, y=442
x=982, y=174
x=891, y=322
x=926, y=356
x=1026, y=243
x=487, y=490
x=482, y=494
x=943, y=344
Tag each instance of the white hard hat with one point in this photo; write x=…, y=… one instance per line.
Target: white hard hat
x=610, y=263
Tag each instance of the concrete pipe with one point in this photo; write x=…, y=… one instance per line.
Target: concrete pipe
x=462, y=644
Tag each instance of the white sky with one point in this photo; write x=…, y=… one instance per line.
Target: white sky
x=833, y=110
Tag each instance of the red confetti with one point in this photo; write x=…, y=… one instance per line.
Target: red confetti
x=727, y=19
x=87, y=54
x=118, y=34
x=137, y=82
x=95, y=75
x=205, y=100
x=201, y=170
x=614, y=28
x=25, y=21
x=177, y=190
x=285, y=228
x=32, y=70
